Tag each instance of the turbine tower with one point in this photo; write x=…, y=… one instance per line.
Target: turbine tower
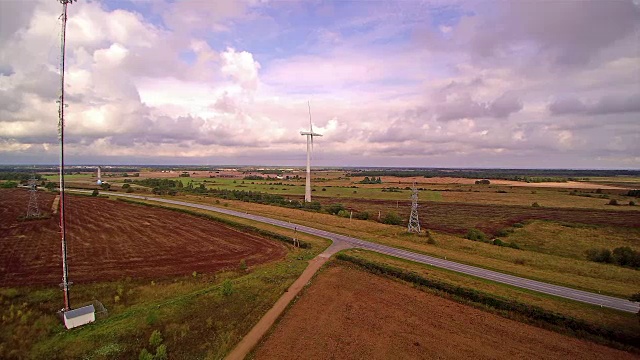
x=414, y=223
x=309, y=134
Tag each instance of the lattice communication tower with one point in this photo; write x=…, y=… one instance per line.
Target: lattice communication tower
x=414, y=223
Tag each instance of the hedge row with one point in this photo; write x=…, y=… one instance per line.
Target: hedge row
x=233, y=224
x=530, y=311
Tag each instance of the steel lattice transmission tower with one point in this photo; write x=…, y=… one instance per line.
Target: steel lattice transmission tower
x=414, y=223
x=33, y=211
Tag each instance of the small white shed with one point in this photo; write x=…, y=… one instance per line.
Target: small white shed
x=80, y=316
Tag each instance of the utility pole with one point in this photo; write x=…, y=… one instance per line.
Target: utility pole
x=61, y=105
x=414, y=223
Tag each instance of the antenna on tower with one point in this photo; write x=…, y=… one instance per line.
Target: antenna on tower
x=414, y=223
x=61, y=105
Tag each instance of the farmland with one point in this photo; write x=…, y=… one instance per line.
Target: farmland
x=145, y=289
x=408, y=324
x=552, y=238
x=109, y=239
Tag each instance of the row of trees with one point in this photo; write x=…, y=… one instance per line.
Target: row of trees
x=371, y=180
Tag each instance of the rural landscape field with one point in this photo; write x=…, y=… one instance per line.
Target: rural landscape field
x=241, y=179
x=162, y=267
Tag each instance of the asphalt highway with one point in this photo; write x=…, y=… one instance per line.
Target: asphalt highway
x=556, y=290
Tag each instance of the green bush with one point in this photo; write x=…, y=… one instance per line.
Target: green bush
x=535, y=204
x=518, y=225
x=145, y=355
x=391, y=218
x=498, y=242
x=8, y=185
x=227, y=288
x=600, y=255
x=155, y=339
x=613, y=202
x=95, y=193
x=476, y=235
x=632, y=203
x=344, y=213
x=161, y=352
x=334, y=209
x=363, y=215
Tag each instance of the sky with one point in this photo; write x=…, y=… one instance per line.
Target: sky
x=499, y=84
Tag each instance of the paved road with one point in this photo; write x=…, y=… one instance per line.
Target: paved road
x=565, y=292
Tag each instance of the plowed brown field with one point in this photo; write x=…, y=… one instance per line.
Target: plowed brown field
x=111, y=239
x=351, y=314
x=458, y=218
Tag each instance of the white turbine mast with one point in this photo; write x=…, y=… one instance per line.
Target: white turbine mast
x=309, y=134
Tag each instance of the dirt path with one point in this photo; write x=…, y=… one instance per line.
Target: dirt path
x=350, y=314
x=257, y=332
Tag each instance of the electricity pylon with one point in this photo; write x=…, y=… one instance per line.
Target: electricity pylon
x=414, y=223
x=33, y=211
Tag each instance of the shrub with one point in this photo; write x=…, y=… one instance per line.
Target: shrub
x=161, y=352
x=145, y=355
x=498, y=242
x=535, y=204
x=518, y=225
x=504, y=232
x=155, y=339
x=95, y=193
x=324, y=189
x=613, y=202
x=243, y=265
x=129, y=190
x=363, y=215
x=632, y=203
x=635, y=297
x=625, y=256
x=476, y=235
x=391, y=218
x=227, y=288
x=430, y=239
x=9, y=185
x=126, y=186
x=600, y=255
x=513, y=245
x=344, y=213
x=334, y=208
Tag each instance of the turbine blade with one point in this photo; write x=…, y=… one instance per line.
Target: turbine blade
x=310, y=124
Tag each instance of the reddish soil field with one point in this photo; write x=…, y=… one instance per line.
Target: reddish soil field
x=457, y=218
x=351, y=314
x=111, y=239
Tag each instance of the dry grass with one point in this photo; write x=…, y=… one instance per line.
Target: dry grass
x=585, y=275
x=573, y=241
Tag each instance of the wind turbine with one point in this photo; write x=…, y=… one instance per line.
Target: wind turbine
x=309, y=134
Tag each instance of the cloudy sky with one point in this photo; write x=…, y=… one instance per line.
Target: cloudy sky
x=410, y=83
